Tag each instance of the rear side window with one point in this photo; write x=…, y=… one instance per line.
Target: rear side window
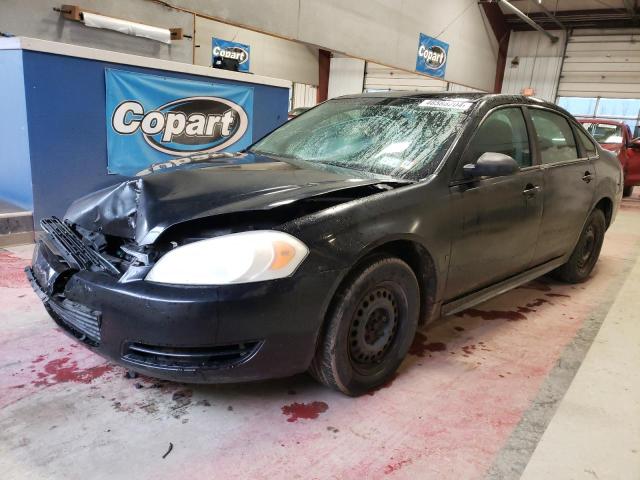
x=605, y=132
x=555, y=136
x=586, y=143
x=503, y=131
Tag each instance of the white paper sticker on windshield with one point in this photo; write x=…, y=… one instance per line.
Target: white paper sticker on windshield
x=450, y=104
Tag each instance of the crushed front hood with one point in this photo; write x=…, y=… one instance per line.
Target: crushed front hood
x=143, y=208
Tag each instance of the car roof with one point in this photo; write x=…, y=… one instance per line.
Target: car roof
x=599, y=120
x=473, y=97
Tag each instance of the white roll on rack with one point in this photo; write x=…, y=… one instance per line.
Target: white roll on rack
x=95, y=20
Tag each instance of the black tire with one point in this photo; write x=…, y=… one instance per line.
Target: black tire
x=586, y=253
x=627, y=191
x=370, y=327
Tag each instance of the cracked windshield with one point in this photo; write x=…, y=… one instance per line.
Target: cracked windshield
x=398, y=137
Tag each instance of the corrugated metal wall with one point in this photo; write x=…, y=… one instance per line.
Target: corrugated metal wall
x=602, y=63
x=533, y=61
x=304, y=95
x=379, y=77
x=454, y=87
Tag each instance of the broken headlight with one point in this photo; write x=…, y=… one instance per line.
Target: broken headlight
x=236, y=258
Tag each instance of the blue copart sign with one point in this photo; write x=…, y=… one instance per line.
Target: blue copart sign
x=152, y=119
x=233, y=51
x=432, y=56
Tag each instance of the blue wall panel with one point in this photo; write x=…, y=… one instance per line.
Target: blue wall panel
x=66, y=113
x=15, y=179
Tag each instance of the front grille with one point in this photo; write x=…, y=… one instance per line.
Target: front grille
x=189, y=358
x=75, y=252
x=82, y=322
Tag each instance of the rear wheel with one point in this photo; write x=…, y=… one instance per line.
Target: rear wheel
x=586, y=253
x=370, y=327
x=627, y=191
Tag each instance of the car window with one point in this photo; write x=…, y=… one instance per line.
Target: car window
x=503, y=131
x=555, y=136
x=587, y=145
x=605, y=132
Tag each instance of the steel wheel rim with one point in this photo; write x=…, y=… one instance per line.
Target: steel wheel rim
x=588, y=247
x=374, y=328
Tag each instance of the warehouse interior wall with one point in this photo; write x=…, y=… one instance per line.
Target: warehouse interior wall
x=36, y=18
x=381, y=31
x=533, y=61
x=270, y=56
x=382, y=78
x=346, y=76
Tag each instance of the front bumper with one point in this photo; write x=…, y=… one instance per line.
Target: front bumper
x=188, y=333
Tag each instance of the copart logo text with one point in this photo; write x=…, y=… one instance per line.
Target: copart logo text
x=234, y=53
x=184, y=126
x=434, y=56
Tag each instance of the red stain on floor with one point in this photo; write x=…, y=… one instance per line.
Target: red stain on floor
x=537, y=302
x=468, y=349
x=63, y=370
x=510, y=315
x=419, y=345
x=525, y=310
x=536, y=285
x=557, y=295
x=307, y=411
x=393, y=467
x=387, y=384
x=436, y=347
x=12, y=271
x=39, y=359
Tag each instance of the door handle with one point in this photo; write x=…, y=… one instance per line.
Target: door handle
x=587, y=177
x=531, y=190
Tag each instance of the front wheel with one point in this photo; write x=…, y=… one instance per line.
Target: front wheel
x=627, y=191
x=586, y=253
x=370, y=327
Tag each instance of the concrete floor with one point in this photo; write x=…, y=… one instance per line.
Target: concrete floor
x=476, y=397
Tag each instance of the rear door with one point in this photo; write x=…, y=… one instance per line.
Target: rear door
x=497, y=218
x=632, y=164
x=569, y=182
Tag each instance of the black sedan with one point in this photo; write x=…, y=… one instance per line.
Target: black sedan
x=326, y=243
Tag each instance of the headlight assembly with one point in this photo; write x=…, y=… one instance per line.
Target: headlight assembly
x=245, y=257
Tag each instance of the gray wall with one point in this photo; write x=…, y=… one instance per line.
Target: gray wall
x=346, y=76
x=382, y=31
x=270, y=56
x=36, y=18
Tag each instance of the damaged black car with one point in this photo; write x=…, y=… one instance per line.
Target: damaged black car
x=324, y=245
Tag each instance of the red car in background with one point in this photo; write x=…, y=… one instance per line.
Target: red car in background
x=616, y=137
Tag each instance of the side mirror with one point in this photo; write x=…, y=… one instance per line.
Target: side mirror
x=491, y=164
x=635, y=144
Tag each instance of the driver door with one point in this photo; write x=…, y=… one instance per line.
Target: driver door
x=498, y=218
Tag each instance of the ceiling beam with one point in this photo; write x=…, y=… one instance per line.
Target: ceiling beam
x=527, y=20
x=598, y=18
x=546, y=11
x=502, y=32
x=630, y=5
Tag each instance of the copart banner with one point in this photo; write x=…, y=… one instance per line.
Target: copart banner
x=151, y=118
